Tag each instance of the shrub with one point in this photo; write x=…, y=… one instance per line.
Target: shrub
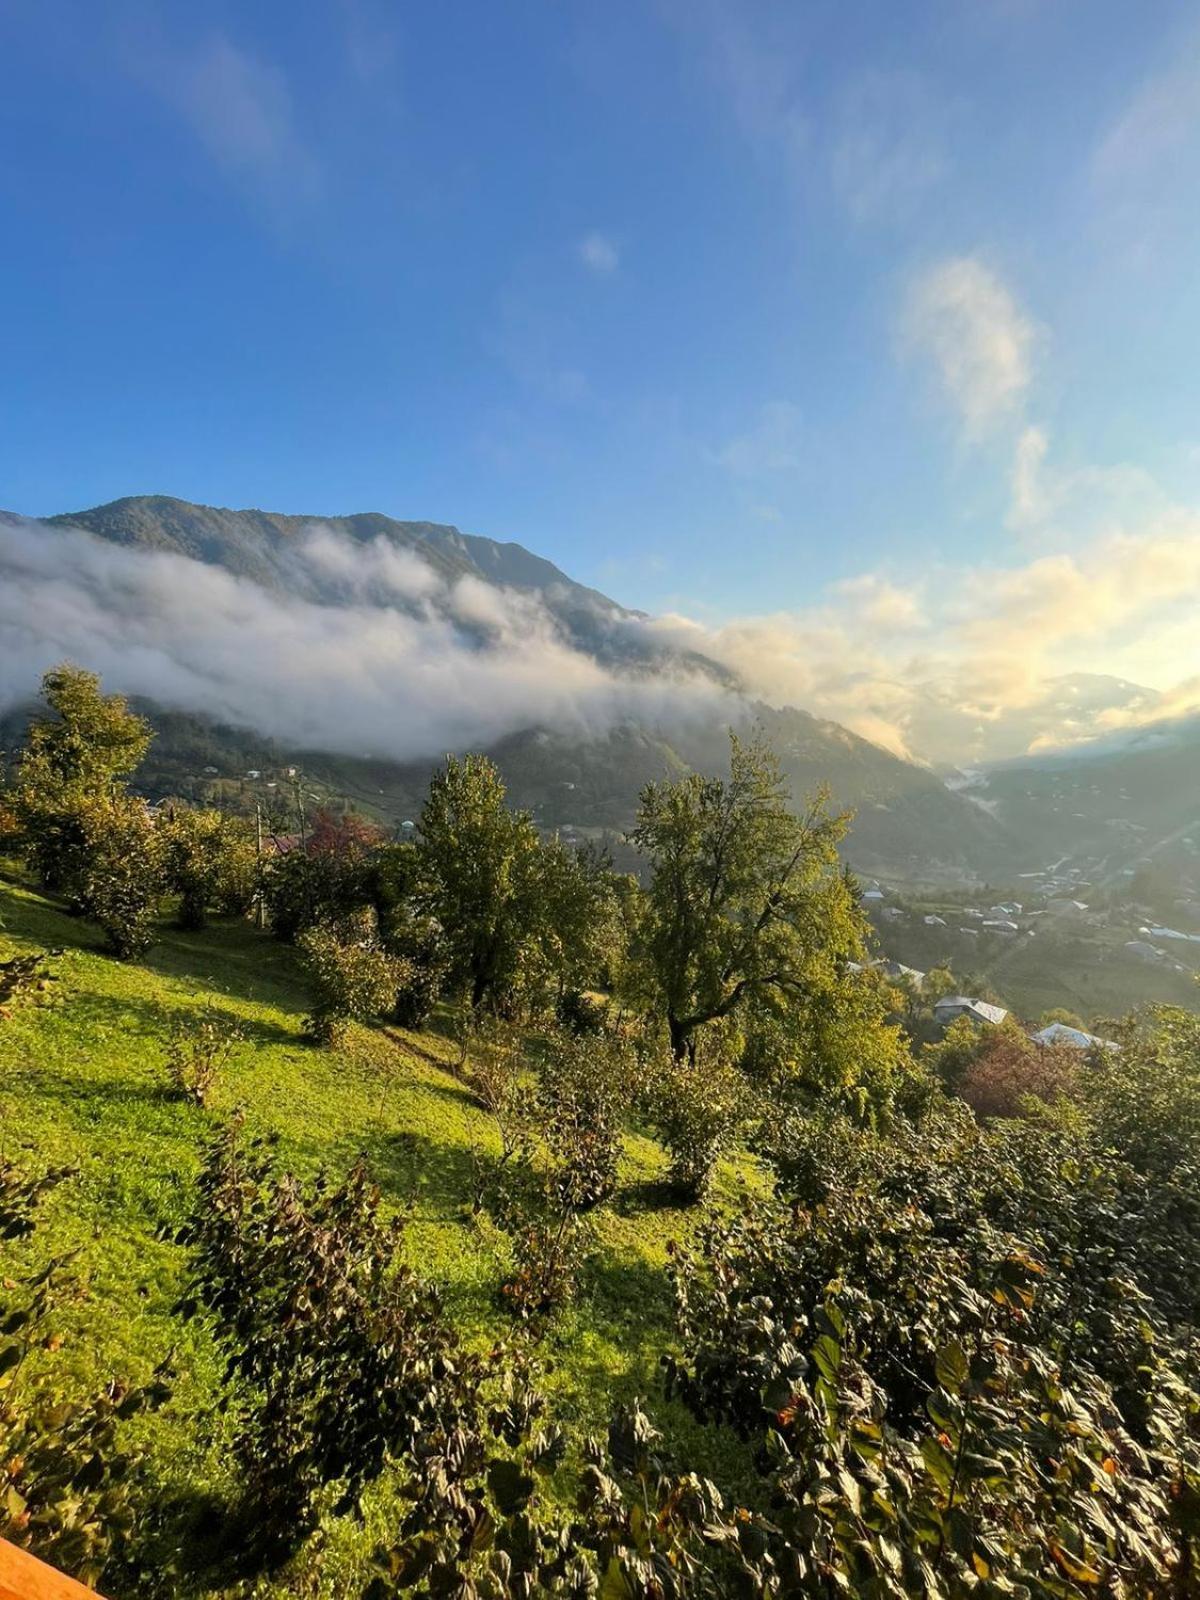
x=199, y=1050
x=583, y=1089
x=492, y=1064
x=698, y=1108
x=338, y=1356
x=964, y=1372
x=66, y=1472
x=123, y=876
x=349, y=976
x=25, y=978
x=210, y=864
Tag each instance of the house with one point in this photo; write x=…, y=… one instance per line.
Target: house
x=1141, y=951
x=896, y=969
x=999, y=925
x=872, y=896
x=1171, y=933
x=1060, y=1033
x=1066, y=908
x=254, y=773
x=933, y=921
x=960, y=1005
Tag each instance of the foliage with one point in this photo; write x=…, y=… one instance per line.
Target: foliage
x=1144, y=1098
x=698, y=1105
x=831, y=1045
x=210, y=864
x=560, y=1144
x=25, y=977
x=478, y=1529
x=492, y=1064
x=66, y=1473
x=338, y=1357
x=85, y=747
x=122, y=878
x=349, y=976
x=1010, y=1074
x=479, y=862
x=746, y=899
x=200, y=1047
x=958, y=1358
x=584, y=1086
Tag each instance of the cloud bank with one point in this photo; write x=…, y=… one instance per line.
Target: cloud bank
x=420, y=667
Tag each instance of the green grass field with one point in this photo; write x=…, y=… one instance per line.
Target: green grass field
x=82, y=1083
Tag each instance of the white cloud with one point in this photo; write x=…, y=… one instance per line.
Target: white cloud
x=241, y=110
x=1161, y=121
x=599, y=254
x=776, y=441
x=888, y=147
x=964, y=666
x=453, y=667
x=962, y=317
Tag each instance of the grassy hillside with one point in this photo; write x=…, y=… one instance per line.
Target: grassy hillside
x=82, y=1083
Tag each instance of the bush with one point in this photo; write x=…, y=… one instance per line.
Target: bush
x=210, y=863
x=962, y=1365
x=25, y=978
x=338, y=1357
x=199, y=1050
x=697, y=1108
x=584, y=1086
x=350, y=977
x=123, y=876
x=66, y=1473
x=560, y=1140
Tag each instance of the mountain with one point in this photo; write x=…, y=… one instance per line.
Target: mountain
x=1125, y=800
x=908, y=823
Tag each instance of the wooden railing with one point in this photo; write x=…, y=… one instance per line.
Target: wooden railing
x=24, y=1577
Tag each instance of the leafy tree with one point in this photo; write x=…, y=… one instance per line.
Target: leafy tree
x=122, y=876
x=746, y=898
x=198, y=845
x=480, y=868
x=79, y=753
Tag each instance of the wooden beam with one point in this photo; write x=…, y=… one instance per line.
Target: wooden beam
x=24, y=1577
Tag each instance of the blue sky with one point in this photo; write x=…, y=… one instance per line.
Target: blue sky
x=729, y=308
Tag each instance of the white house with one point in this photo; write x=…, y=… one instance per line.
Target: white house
x=961, y=1005
x=1061, y=1033
x=933, y=921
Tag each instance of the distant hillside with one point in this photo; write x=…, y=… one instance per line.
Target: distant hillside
x=907, y=822
x=1123, y=800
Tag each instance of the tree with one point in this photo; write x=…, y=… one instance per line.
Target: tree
x=121, y=876
x=746, y=898
x=195, y=847
x=479, y=865
x=80, y=752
